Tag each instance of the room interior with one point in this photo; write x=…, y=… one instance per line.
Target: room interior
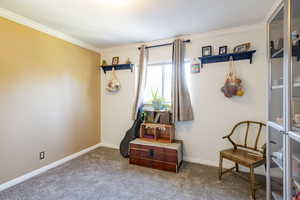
x=150, y=100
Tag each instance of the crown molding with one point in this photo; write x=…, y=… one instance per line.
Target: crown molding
x=45, y=29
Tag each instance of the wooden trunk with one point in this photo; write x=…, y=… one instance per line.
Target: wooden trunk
x=156, y=155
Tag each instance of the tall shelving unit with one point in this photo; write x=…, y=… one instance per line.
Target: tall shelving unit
x=283, y=139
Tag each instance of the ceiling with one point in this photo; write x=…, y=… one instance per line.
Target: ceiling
x=107, y=23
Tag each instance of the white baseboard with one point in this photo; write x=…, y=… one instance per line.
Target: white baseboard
x=36, y=172
x=113, y=146
x=259, y=170
x=84, y=151
x=212, y=163
x=200, y=161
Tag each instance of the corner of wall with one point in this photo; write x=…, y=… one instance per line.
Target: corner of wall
x=45, y=29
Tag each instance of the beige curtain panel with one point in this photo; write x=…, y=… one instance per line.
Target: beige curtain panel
x=141, y=81
x=181, y=103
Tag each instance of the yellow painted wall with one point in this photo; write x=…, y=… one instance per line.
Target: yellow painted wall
x=49, y=99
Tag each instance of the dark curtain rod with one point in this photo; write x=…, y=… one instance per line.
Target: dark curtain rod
x=161, y=45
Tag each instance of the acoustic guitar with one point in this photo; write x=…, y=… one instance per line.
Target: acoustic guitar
x=131, y=134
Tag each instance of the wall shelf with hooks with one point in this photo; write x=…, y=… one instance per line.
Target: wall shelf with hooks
x=226, y=57
x=117, y=67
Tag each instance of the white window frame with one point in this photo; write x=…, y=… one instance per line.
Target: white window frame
x=162, y=64
x=187, y=61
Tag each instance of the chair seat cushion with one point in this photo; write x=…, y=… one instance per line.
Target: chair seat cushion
x=243, y=157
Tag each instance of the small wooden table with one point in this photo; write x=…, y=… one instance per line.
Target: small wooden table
x=164, y=133
x=163, y=156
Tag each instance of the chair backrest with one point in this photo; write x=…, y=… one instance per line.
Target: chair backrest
x=245, y=143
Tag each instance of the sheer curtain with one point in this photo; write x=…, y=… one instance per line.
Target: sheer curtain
x=181, y=103
x=141, y=81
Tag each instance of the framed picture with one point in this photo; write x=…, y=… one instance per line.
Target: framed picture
x=242, y=48
x=207, y=51
x=115, y=61
x=195, y=68
x=222, y=50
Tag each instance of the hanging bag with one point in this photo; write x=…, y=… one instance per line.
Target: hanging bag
x=233, y=85
x=113, y=84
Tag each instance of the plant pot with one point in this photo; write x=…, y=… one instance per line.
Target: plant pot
x=157, y=105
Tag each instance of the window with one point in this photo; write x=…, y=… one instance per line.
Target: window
x=159, y=77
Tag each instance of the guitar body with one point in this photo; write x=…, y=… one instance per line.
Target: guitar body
x=131, y=134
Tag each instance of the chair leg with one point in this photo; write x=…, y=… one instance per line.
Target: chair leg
x=220, y=167
x=237, y=167
x=252, y=185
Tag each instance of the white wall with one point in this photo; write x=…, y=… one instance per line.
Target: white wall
x=214, y=114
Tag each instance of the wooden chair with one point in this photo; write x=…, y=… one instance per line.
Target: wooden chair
x=243, y=154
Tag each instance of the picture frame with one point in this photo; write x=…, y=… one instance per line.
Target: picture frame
x=207, y=51
x=242, y=48
x=195, y=68
x=223, y=50
x=115, y=61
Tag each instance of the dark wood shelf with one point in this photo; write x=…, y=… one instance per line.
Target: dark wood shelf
x=117, y=67
x=226, y=57
x=278, y=162
x=279, y=53
x=277, y=195
x=296, y=183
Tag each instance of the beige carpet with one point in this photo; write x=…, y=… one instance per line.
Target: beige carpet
x=103, y=175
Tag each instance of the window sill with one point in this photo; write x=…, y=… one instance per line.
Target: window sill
x=150, y=107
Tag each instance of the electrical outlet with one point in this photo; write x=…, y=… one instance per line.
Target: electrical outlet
x=42, y=155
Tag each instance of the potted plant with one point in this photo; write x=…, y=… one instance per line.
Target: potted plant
x=157, y=101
